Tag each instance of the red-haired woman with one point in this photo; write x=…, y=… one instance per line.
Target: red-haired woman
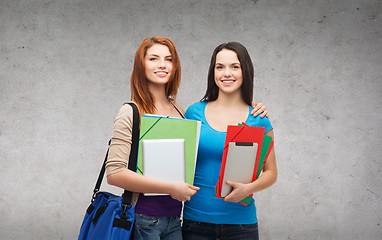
x=154, y=84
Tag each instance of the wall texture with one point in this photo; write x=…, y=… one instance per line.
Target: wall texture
x=64, y=73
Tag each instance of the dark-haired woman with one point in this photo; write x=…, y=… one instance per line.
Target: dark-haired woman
x=226, y=102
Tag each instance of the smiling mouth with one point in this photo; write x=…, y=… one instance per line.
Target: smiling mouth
x=228, y=81
x=161, y=74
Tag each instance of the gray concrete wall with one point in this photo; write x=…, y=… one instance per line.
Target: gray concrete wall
x=64, y=73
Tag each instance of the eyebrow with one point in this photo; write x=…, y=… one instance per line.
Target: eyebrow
x=231, y=64
x=155, y=55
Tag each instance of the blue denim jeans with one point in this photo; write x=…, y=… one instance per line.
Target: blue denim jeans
x=157, y=228
x=208, y=231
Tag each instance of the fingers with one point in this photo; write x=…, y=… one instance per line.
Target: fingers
x=238, y=193
x=231, y=195
x=265, y=113
x=262, y=110
x=232, y=184
x=188, y=195
x=230, y=198
x=184, y=191
x=185, y=199
x=191, y=191
x=254, y=113
x=259, y=108
x=256, y=107
x=193, y=187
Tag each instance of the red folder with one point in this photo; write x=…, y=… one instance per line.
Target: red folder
x=243, y=133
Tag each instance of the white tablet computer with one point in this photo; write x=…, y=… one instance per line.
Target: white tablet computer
x=164, y=159
x=240, y=164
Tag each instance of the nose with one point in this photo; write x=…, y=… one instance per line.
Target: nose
x=227, y=72
x=161, y=63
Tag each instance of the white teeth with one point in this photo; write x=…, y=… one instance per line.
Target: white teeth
x=162, y=74
x=228, y=81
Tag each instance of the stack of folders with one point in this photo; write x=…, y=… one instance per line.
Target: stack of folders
x=168, y=148
x=246, y=150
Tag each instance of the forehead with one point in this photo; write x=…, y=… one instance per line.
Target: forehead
x=227, y=56
x=158, y=49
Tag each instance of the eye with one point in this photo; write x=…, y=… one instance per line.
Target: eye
x=152, y=58
x=236, y=67
x=219, y=67
x=169, y=59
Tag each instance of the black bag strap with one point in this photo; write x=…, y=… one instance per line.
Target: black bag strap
x=127, y=195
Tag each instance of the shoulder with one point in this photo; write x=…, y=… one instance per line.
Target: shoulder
x=197, y=106
x=195, y=109
x=126, y=110
x=125, y=115
x=259, y=122
x=178, y=106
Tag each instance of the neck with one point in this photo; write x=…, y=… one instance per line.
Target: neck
x=233, y=100
x=158, y=93
x=162, y=105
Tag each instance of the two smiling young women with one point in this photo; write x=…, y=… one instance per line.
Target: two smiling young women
x=154, y=84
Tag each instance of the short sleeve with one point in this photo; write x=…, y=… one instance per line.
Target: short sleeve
x=193, y=112
x=260, y=122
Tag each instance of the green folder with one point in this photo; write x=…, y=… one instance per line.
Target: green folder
x=267, y=140
x=155, y=127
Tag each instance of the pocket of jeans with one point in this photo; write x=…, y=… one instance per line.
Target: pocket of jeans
x=249, y=227
x=188, y=225
x=143, y=221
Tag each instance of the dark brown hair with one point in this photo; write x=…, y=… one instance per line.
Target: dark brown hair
x=246, y=68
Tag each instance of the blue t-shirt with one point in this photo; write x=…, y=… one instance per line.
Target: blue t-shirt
x=204, y=206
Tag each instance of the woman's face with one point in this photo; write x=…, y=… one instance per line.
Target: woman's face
x=158, y=64
x=228, y=74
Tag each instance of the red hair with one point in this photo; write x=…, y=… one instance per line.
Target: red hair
x=138, y=83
